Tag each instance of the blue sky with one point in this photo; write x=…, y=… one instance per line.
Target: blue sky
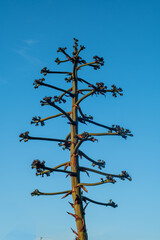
x=127, y=35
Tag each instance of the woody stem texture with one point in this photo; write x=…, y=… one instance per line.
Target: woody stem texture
x=76, y=191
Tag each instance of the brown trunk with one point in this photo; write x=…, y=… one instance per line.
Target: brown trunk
x=76, y=191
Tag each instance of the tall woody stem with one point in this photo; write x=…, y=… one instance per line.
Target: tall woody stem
x=76, y=191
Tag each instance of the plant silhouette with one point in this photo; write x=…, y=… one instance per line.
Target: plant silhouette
x=74, y=139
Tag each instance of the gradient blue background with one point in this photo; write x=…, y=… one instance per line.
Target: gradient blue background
x=127, y=35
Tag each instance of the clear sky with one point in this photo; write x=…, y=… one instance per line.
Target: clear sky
x=127, y=35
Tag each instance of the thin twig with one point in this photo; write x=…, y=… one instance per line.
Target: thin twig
x=68, y=90
x=98, y=124
x=57, y=88
x=62, y=111
x=100, y=163
x=121, y=176
x=87, y=64
x=111, y=203
x=60, y=170
x=68, y=136
x=97, y=183
x=84, y=90
x=88, y=83
x=104, y=134
x=37, y=192
x=58, y=166
x=85, y=96
x=26, y=137
x=77, y=146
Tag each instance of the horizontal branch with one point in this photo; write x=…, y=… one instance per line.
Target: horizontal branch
x=37, y=120
x=84, y=90
x=86, y=64
x=108, y=180
x=48, y=171
x=58, y=61
x=118, y=130
x=50, y=117
x=60, y=170
x=94, y=64
x=121, y=132
x=104, y=134
x=40, y=82
x=121, y=176
x=95, y=123
x=45, y=71
x=111, y=203
x=40, y=167
x=37, y=192
x=69, y=73
x=48, y=101
x=100, y=88
x=26, y=137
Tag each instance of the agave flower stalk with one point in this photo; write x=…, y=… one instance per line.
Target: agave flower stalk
x=74, y=139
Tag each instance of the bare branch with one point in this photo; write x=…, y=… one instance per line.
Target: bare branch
x=68, y=90
x=47, y=100
x=26, y=137
x=95, y=123
x=39, y=82
x=68, y=136
x=119, y=130
x=45, y=71
x=83, y=137
x=103, y=134
x=48, y=171
x=36, y=120
x=40, y=167
x=84, y=115
x=108, y=180
x=99, y=163
x=123, y=133
x=85, y=96
x=37, y=193
x=62, y=50
x=84, y=90
x=122, y=176
x=88, y=83
x=111, y=203
x=77, y=146
x=60, y=61
x=99, y=89
x=95, y=64
x=81, y=48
